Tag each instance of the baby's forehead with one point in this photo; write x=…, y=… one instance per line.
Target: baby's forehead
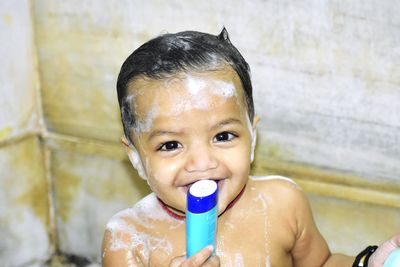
x=206, y=93
x=223, y=82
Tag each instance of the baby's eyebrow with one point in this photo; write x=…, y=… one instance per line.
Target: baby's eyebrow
x=226, y=122
x=156, y=133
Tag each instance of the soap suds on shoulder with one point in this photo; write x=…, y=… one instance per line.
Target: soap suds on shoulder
x=274, y=177
x=123, y=227
x=145, y=212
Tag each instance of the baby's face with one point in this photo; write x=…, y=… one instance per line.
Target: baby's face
x=191, y=127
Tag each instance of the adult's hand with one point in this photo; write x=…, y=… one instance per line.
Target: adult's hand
x=380, y=255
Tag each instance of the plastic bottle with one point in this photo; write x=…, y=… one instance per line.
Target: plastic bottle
x=393, y=260
x=201, y=216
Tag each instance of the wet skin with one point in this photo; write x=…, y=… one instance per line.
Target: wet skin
x=185, y=144
x=190, y=128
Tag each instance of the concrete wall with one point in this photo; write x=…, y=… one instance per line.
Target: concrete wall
x=24, y=206
x=327, y=86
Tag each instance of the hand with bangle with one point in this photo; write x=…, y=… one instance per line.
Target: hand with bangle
x=386, y=255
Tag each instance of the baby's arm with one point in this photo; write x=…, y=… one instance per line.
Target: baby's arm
x=118, y=256
x=310, y=248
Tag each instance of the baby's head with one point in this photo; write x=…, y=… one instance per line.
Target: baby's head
x=187, y=112
x=183, y=52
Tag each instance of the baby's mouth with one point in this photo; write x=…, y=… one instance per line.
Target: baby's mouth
x=186, y=188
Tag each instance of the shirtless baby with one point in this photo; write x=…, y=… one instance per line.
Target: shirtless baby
x=187, y=111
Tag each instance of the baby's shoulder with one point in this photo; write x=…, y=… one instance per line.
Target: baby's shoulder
x=276, y=187
x=132, y=226
x=273, y=183
x=280, y=193
x=131, y=232
x=140, y=214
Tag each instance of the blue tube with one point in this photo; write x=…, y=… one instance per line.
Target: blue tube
x=201, y=216
x=394, y=259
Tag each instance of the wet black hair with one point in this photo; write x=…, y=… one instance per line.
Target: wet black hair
x=170, y=54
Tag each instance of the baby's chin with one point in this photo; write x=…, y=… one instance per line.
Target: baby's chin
x=226, y=200
x=223, y=204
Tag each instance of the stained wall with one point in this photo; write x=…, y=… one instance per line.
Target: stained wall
x=326, y=83
x=24, y=207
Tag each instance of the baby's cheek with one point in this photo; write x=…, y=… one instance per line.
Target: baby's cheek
x=239, y=166
x=164, y=173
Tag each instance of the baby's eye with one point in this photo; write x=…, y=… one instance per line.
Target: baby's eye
x=169, y=146
x=224, y=137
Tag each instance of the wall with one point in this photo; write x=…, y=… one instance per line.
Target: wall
x=24, y=206
x=326, y=83
x=333, y=90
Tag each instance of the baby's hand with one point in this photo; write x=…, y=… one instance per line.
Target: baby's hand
x=201, y=258
x=379, y=256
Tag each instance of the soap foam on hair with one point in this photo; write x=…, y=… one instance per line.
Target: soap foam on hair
x=197, y=97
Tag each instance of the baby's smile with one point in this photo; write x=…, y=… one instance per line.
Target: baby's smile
x=195, y=127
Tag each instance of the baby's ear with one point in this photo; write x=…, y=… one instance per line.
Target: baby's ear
x=124, y=141
x=134, y=157
x=256, y=119
x=224, y=36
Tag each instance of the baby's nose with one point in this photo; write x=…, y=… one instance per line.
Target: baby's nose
x=201, y=159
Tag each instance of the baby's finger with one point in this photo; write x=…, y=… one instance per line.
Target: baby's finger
x=178, y=261
x=199, y=258
x=396, y=240
x=212, y=262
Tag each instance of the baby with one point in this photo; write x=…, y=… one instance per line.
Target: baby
x=188, y=115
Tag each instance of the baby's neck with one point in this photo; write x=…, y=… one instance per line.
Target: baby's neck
x=174, y=213
x=179, y=215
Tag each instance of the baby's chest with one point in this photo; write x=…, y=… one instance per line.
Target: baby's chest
x=248, y=237
x=242, y=249
x=253, y=241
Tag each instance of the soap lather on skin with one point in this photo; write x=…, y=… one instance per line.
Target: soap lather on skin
x=197, y=99
x=146, y=213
